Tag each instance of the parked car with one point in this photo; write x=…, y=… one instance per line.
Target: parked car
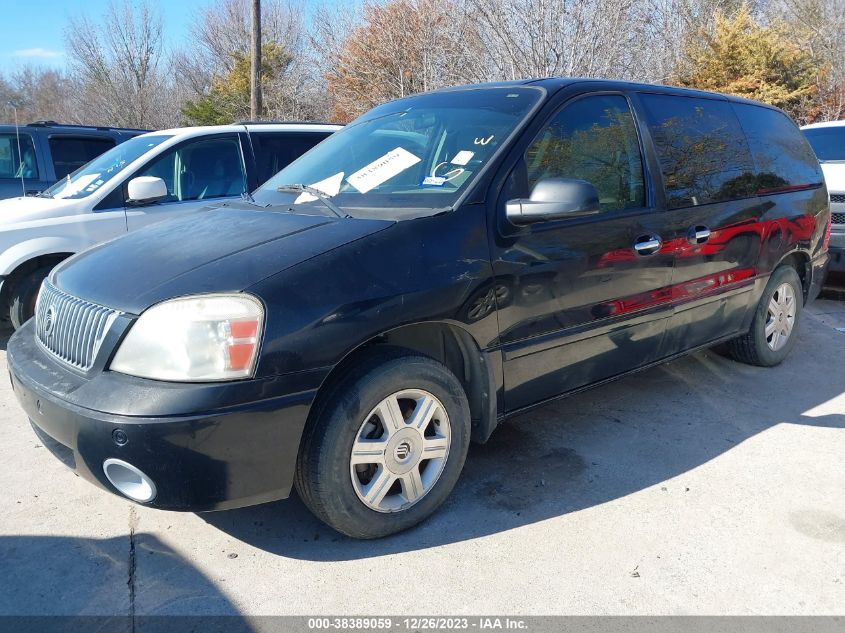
x=149, y=178
x=444, y=262
x=828, y=141
x=34, y=156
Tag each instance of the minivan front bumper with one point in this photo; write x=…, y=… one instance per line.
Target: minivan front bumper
x=837, y=249
x=229, y=457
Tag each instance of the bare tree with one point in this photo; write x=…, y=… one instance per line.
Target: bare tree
x=42, y=94
x=398, y=48
x=222, y=36
x=119, y=66
x=223, y=32
x=541, y=38
x=821, y=26
x=338, y=60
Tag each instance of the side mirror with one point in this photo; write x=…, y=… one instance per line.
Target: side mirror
x=146, y=190
x=554, y=199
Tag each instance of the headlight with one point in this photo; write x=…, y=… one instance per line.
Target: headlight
x=194, y=339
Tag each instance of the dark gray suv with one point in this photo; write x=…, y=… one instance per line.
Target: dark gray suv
x=34, y=156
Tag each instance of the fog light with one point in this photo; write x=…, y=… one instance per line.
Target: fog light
x=129, y=480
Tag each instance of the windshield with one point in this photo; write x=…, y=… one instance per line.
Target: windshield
x=91, y=176
x=827, y=142
x=417, y=153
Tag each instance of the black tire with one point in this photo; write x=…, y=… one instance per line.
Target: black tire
x=23, y=293
x=753, y=348
x=323, y=472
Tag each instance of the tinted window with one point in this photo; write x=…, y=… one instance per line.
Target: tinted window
x=274, y=152
x=592, y=139
x=703, y=154
x=16, y=162
x=827, y=142
x=106, y=167
x=71, y=153
x=201, y=170
x=782, y=156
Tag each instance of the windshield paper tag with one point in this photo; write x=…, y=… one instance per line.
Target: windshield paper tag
x=463, y=157
x=382, y=169
x=433, y=181
x=329, y=186
x=77, y=185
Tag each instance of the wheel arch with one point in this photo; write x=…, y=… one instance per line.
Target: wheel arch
x=446, y=343
x=26, y=266
x=801, y=262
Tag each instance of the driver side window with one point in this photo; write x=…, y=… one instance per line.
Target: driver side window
x=201, y=170
x=593, y=139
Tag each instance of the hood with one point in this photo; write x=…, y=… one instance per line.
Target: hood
x=18, y=210
x=224, y=249
x=834, y=176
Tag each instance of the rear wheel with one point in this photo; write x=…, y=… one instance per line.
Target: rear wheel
x=386, y=447
x=775, y=326
x=24, y=293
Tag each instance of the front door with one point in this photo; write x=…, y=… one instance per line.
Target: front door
x=197, y=173
x=581, y=299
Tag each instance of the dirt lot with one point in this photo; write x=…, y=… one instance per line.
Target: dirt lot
x=700, y=487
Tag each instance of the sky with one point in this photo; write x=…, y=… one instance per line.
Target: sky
x=32, y=31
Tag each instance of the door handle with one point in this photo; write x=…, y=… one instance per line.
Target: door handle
x=647, y=244
x=698, y=235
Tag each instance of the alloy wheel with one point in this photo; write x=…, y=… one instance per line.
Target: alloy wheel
x=780, y=317
x=400, y=450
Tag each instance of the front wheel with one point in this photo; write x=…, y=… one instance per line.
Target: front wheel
x=386, y=446
x=775, y=325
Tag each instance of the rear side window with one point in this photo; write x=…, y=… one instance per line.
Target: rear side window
x=72, y=152
x=703, y=154
x=15, y=161
x=783, y=159
x=274, y=152
x=592, y=139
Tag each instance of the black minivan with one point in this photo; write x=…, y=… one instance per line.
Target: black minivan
x=445, y=261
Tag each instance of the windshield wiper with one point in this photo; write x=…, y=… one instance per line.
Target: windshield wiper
x=320, y=195
x=43, y=194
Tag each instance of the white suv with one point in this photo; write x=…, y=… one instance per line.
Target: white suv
x=148, y=178
x=828, y=141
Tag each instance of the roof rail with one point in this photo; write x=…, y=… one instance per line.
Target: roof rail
x=89, y=127
x=285, y=123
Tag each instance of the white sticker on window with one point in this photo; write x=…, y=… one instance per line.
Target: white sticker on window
x=77, y=185
x=434, y=181
x=329, y=186
x=463, y=157
x=382, y=169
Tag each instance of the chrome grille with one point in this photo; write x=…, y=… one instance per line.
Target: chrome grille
x=837, y=197
x=69, y=327
x=837, y=218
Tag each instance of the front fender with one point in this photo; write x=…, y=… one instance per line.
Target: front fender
x=23, y=252
x=69, y=234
